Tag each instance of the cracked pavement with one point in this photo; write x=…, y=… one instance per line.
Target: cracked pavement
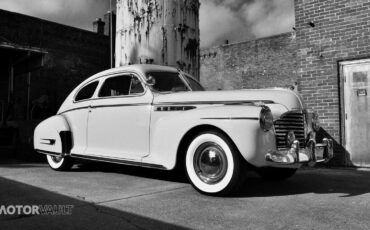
x=107, y=196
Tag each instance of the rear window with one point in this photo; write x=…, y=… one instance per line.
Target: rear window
x=167, y=82
x=87, y=92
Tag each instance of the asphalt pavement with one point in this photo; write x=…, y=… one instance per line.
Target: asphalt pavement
x=107, y=196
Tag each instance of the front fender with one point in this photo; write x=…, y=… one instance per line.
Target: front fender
x=53, y=136
x=239, y=122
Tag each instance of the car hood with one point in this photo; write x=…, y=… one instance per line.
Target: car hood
x=289, y=99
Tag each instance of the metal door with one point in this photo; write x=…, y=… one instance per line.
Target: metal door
x=356, y=78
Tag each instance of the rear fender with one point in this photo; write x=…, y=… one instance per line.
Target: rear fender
x=53, y=136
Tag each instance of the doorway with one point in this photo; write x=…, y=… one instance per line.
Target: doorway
x=355, y=76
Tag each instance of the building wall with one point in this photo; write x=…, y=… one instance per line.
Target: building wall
x=340, y=31
x=266, y=62
x=71, y=56
x=158, y=32
x=327, y=32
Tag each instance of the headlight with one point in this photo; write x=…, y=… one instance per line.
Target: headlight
x=266, y=119
x=315, y=121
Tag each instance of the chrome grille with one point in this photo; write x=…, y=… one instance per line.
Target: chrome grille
x=291, y=121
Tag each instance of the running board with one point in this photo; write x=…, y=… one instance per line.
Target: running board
x=118, y=161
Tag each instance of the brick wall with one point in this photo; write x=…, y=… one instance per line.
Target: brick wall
x=72, y=56
x=266, y=62
x=340, y=31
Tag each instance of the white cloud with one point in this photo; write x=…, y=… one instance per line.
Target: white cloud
x=268, y=17
x=32, y=7
x=239, y=20
x=218, y=23
x=234, y=20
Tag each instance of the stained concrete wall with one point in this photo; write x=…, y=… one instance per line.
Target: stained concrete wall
x=158, y=32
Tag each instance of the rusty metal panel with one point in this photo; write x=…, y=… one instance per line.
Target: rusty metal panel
x=158, y=32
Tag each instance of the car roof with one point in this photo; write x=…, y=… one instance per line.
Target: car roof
x=143, y=68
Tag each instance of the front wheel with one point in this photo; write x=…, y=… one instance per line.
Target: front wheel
x=59, y=163
x=213, y=164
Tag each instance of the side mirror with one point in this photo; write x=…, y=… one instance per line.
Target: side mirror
x=150, y=81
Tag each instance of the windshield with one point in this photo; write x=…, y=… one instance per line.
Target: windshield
x=194, y=85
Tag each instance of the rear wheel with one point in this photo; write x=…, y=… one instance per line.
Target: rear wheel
x=213, y=164
x=59, y=163
x=276, y=173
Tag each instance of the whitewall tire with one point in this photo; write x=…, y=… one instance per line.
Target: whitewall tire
x=213, y=164
x=59, y=163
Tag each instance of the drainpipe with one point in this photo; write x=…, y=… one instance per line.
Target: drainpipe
x=11, y=81
x=28, y=94
x=111, y=33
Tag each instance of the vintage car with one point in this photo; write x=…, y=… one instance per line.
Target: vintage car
x=160, y=117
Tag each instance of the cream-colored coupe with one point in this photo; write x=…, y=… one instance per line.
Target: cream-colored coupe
x=160, y=117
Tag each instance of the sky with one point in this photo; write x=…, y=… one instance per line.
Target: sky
x=220, y=20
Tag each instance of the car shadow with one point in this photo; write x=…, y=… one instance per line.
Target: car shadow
x=172, y=176
x=84, y=215
x=344, y=182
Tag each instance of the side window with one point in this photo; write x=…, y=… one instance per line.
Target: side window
x=121, y=86
x=87, y=92
x=136, y=87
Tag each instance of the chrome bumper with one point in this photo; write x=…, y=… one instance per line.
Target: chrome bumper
x=312, y=154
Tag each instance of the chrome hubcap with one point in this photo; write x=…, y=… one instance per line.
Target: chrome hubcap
x=210, y=163
x=56, y=159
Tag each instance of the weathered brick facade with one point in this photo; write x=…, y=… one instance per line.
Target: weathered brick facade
x=48, y=61
x=266, y=62
x=327, y=32
x=70, y=56
x=340, y=31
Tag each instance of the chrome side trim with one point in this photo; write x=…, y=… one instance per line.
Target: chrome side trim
x=102, y=106
x=173, y=108
x=118, y=161
x=49, y=153
x=74, y=109
x=48, y=141
x=230, y=118
x=119, y=105
x=213, y=102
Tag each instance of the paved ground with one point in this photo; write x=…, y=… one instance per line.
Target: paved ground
x=106, y=196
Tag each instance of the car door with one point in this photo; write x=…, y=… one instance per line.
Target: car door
x=78, y=114
x=119, y=119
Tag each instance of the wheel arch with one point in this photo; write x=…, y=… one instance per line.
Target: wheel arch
x=190, y=135
x=53, y=135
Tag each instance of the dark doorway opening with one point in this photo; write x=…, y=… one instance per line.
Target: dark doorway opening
x=17, y=66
